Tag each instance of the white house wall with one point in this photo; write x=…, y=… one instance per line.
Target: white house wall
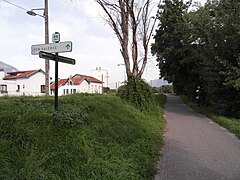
x=31, y=86
x=95, y=88
x=60, y=91
x=11, y=87
x=84, y=87
x=69, y=89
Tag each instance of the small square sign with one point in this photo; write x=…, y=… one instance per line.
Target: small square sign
x=56, y=37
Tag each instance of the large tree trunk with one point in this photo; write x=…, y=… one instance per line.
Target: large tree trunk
x=132, y=25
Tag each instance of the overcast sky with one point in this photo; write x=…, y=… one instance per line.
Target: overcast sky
x=94, y=43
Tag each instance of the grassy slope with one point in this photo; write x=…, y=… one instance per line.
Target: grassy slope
x=231, y=124
x=92, y=137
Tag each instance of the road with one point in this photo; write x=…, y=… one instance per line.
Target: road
x=196, y=148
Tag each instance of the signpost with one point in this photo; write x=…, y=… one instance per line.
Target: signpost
x=52, y=47
x=53, y=57
x=45, y=50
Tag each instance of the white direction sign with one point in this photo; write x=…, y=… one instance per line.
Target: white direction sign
x=52, y=47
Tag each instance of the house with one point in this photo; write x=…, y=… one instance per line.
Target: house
x=61, y=83
x=78, y=84
x=23, y=83
x=5, y=85
x=95, y=85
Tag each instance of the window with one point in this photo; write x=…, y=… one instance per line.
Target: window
x=69, y=83
x=74, y=91
x=18, y=88
x=43, y=90
x=66, y=91
x=52, y=91
x=3, y=88
x=96, y=89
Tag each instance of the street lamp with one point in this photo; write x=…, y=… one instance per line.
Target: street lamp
x=123, y=72
x=32, y=13
x=45, y=16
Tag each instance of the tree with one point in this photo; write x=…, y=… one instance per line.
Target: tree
x=200, y=48
x=228, y=44
x=172, y=45
x=132, y=23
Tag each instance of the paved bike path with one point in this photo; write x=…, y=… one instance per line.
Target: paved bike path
x=196, y=148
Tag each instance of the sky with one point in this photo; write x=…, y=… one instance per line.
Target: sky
x=79, y=21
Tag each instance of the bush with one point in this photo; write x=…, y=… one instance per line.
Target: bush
x=106, y=89
x=167, y=89
x=137, y=92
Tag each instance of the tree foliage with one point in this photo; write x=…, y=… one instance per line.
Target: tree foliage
x=198, y=51
x=137, y=92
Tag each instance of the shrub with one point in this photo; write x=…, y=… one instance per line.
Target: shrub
x=167, y=89
x=138, y=92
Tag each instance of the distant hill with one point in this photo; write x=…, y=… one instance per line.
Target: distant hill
x=7, y=67
x=158, y=82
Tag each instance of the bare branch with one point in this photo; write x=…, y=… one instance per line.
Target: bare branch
x=131, y=22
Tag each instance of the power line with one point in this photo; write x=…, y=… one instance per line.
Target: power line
x=15, y=5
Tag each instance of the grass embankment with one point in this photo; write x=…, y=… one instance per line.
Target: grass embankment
x=233, y=125
x=92, y=137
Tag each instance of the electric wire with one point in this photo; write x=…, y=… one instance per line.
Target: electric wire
x=15, y=5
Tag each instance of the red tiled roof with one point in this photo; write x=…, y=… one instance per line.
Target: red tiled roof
x=88, y=78
x=21, y=74
x=76, y=80
x=60, y=83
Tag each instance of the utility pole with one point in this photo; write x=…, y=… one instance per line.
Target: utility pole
x=46, y=42
x=45, y=16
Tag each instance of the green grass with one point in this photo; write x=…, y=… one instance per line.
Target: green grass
x=91, y=137
x=233, y=125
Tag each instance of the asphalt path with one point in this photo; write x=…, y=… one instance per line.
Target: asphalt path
x=196, y=148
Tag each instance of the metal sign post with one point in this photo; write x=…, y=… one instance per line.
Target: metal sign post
x=56, y=58
x=45, y=50
x=62, y=59
x=56, y=83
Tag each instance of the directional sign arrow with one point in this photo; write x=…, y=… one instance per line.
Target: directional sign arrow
x=46, y=55
x=67, y=46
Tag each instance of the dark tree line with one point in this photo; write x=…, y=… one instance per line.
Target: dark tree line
x=199, y=49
